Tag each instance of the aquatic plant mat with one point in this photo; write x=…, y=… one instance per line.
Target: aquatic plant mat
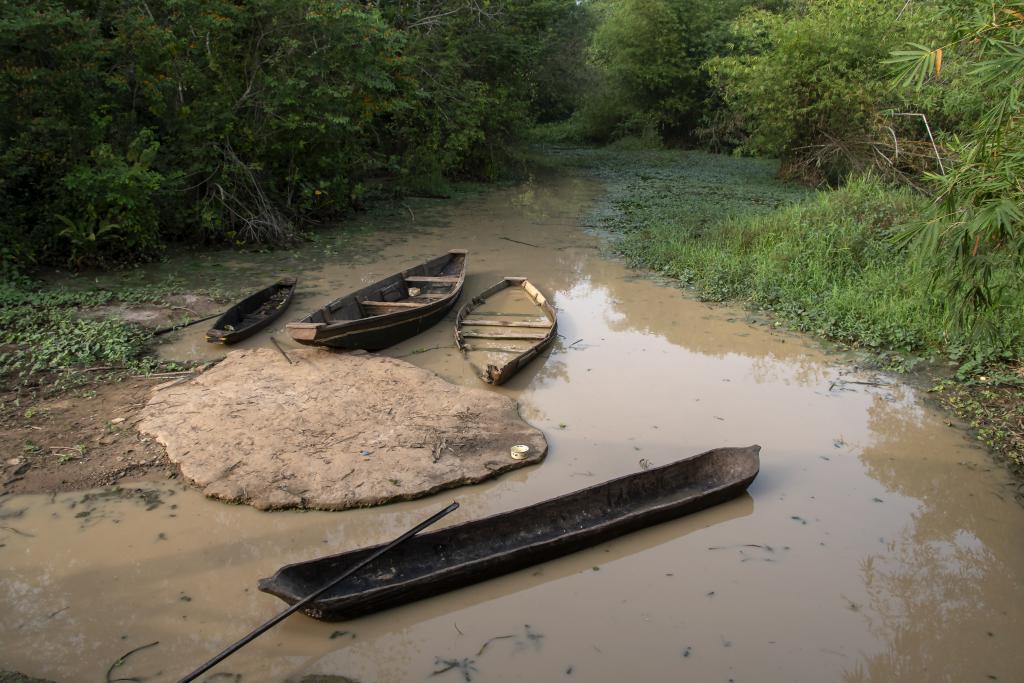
x=333, y=430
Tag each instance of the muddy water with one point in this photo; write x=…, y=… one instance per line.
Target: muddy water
x=877, y=544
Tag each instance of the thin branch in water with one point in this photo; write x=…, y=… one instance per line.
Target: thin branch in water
x=121, y=660
x=491, y=640
x=509, y=239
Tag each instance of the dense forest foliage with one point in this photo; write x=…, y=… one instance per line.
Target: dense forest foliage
x=130, y=126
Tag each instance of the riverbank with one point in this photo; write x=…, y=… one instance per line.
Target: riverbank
x=821, y=263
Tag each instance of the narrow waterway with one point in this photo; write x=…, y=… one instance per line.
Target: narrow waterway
x=877, y=544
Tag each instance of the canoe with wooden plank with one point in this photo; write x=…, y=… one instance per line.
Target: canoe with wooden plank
x=388, y=311
x=464, y=554
x=505, y=327
x=253, y=313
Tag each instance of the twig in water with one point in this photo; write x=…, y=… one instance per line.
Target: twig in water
x=172, y=328
x=17, y=531
x=282, y=351
x=509, y=239
x=182, y=308
x=456, y=625
x=121, y=660
x=424, y=350
x=51, y=615
x=491, y=640
x=575, y=342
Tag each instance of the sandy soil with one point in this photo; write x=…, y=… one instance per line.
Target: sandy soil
x=333, y=430
x=78, y=440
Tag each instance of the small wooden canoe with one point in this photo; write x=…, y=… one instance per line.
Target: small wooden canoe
x=388, y=311
x=437, y=562
x=253, y=313
x=499, y=333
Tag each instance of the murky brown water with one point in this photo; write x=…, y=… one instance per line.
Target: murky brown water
x=877, y=544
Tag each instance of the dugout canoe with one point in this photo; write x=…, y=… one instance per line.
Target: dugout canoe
x=503, y=341
x=460, y=555
x=253, y=313
x=388, y=311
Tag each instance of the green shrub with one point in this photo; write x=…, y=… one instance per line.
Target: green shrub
x=807, y=86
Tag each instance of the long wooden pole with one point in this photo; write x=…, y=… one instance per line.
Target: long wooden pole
x=313, y=596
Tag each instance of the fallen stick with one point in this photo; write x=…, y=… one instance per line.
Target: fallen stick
x=278, y=346
x=172, y=328
x=509, y=239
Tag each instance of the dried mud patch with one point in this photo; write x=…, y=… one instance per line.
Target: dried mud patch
x=333, y=430
x=81, y=439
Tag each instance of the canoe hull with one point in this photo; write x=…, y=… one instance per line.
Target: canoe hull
x=374, y=335
x=567, y=524
x=217, y=334
x=499, y=373
x=381, y=314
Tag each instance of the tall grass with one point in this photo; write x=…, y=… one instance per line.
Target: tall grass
x=826, y=263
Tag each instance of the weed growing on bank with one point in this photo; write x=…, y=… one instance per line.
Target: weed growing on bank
x=42, y=330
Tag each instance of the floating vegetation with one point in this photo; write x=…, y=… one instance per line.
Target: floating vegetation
x=532, y=637
x=465, y=666
x=150, y=499
x=342, y=634
x=798, y=518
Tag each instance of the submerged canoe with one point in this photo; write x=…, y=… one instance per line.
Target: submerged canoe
x=499, y=342
x=467, y=553
x=253, y=313
x=388, y=311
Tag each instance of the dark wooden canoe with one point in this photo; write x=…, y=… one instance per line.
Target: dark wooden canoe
x=503, y=341
x=388, y=311
x=253, y=313
x=464, y=554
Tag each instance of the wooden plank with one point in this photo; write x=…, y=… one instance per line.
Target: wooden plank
x=501, y=335
x=496, y=349
x=506, y=315
x=508, y=323
x=394, y=304
x=431, y=279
